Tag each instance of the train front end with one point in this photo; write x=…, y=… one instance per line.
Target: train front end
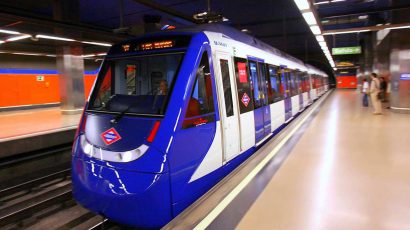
x=119, y=165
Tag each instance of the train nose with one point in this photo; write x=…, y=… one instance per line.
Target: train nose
x=137, y=199
x=126, y=134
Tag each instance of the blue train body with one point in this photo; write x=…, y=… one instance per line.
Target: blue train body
x=140, y=157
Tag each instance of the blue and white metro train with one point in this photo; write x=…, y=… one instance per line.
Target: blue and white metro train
x=172, y=113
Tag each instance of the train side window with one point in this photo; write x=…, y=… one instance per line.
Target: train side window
x=107, y=89
x=274, y=82
x=257, y=94
x=293, y=87
x=298, y=81
x=307, y=86
x=201, y=103
x=271, y=90
x=226, y=82
x=243, y=82
x=288, y=83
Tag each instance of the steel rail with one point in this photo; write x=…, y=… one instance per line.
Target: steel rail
x=28, y=185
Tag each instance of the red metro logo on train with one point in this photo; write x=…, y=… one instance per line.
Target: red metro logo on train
x=110, y=136
x=245, y=99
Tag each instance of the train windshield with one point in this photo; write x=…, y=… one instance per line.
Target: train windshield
x=138, y=85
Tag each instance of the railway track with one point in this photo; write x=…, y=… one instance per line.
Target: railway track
x=45, y=203
x=43, y=199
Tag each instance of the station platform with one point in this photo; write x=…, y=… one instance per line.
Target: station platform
x=340, y=168
x=29, y=130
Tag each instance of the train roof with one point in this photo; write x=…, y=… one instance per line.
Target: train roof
x=239, y=36
x=314, y=70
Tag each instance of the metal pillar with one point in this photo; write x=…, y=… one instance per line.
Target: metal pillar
x=70, y=66
x=70, y=63
x=399, y=70
x=399, y=64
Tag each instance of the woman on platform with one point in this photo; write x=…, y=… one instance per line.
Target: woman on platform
x=365, y=91
x=374, y=91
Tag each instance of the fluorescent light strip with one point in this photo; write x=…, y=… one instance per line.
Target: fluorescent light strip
x=93, y=55
x=29, y=54
x=72, y=40
x=18, y=38
x=310, y=18
x=398, y=27
x=9, y=32
x=302, y=4
x=1, y=42
x=315, y=30
x=347, y=32
x=320, y=38
x=323, y=44
x=337, y=1
x=88, y=55
x=319, y=3
x=97, y=43
x=54, y=38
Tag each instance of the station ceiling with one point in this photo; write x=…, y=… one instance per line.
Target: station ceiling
x=276, y=22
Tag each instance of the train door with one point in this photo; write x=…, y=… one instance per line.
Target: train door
x=299, y=87
x=260, y=96
x=227, y=105
x=307, y=87
x=264, y=88
x=287, y=95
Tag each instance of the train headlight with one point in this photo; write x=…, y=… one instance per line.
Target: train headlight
x=106, y=155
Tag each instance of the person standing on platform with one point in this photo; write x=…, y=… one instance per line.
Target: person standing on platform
x=374, y=91
x=383, y=88
x=365, y=91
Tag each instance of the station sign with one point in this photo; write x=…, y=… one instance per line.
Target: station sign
x=405, y=76
x=347, y=50
x=40, y=78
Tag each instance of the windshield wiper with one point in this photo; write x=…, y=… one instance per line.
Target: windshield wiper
x=122, y=113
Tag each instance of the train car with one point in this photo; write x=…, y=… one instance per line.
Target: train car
x=172, y=113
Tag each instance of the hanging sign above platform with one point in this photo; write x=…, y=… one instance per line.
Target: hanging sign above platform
x=405, y=76
x=347, y=50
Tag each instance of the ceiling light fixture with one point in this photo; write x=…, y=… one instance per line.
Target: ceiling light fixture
x=97, y=43
x=18, y=38
x=88, y=55
x=28, y=54
x=320, y=38
x=315, y=30
x=310, y=18
x=346, y=32
x=302, y=4
x=398, y=27
x=9, y=32
x=54, y=38
x=319, y=3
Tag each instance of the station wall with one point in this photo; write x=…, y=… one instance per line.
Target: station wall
x=27, y=80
